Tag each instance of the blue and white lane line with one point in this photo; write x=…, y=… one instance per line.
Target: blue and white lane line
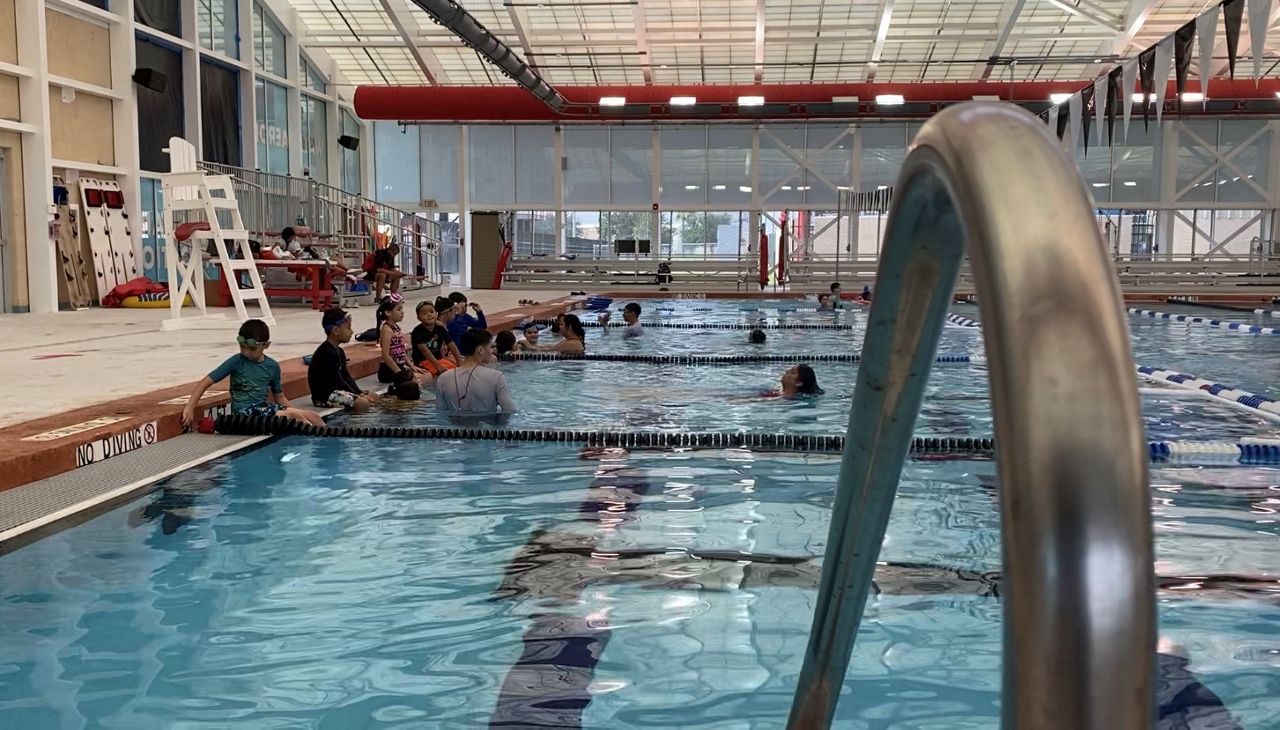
x=1207, y=321
x=958, y=321
x=1259, y=405
x=1244, y=451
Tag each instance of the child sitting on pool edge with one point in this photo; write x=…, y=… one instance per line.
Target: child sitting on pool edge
x=255, y=381
x=331, y=383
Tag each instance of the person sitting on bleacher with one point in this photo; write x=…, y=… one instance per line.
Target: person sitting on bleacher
x=381, y=268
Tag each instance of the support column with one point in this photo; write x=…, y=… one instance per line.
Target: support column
x=124, y=117
x=464, y=210
x=1165, y=217
x=557, y=182
x=37, y=158
x=191, y=130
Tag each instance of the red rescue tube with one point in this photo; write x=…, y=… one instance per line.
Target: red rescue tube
x=764, y=258
x=503, y=259
x=784, y=241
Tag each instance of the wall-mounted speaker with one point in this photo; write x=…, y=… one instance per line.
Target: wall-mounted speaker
x=348, y=141
x=150, y=78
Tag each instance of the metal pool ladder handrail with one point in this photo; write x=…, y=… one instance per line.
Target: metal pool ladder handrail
x=1078, y=580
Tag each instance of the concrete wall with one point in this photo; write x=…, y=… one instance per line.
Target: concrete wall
x=15, y=224
x=81, y=131
x=8, y=33
x=78, y=49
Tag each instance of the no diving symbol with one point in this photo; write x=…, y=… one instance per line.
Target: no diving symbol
x=149, y=433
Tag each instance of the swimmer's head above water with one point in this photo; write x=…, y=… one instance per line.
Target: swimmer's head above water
x=800, y=380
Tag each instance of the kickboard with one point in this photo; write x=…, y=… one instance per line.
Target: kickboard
x=66, y=238
x=118, y=231
x=95, y=226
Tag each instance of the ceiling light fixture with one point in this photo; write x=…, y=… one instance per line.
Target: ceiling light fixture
x=1101, y=185
x=1192, y=96
x=613, y=101
x=1130, y=184
x=719, y=187
x=890, y=99
x=683, y=100
x=786, y=187
x=1059, y=98
x=750, y=101
x=744, y=188
x=690, y=187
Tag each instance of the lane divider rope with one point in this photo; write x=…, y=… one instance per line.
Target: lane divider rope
x=716, y=359
x=1247, y=450
x=1207, y=321
x=1260, y=404
x=959, y=321
x=720, y=325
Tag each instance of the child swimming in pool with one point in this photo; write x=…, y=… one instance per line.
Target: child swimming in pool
x=799, y=380
x=255, y=381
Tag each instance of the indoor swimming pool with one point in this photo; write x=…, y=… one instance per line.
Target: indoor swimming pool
x=352, y=583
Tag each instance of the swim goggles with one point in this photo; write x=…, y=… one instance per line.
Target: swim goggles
x=250, y=342
x=339, y=323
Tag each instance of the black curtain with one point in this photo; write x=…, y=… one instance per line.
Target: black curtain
x=220, y=113
x=159, y=112
x=163, y=15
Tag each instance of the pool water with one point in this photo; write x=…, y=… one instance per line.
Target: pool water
x=429, y=584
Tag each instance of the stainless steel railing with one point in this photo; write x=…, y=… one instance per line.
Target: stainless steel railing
x=1079, y=603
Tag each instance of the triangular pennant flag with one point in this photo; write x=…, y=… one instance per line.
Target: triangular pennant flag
x=1147, y=82
x=1086, y=104
x=1056, y=122
x=1100, y=85
x=1164, y=57
x=1128, y=74
x=1075, y=107
x=1182, y=40
x=1259, y=18
x=1113, y=102
x=1207, y=32
x=1232, y=14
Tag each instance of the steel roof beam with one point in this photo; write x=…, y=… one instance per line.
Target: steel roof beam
x=1135, y=19
x=884, y=16
x=759, y=42
x=1084, y=11
x=642, y=41
x=405, y=25
x=1008, y=16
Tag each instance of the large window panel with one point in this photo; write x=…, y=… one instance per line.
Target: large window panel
x=1246, y=144
x=884, y=148
x=728, y=165
x=268, y=44
x=160, y=113
x=351, y=174
x=311, y=76
x=315, y=138
x=1197, y=173
x=217, y=25
x=273, y=127
x=586, y=175
x=1094, y=164
x=631, y=165
x=783, y=181
x=1135, y=163
x=397, y=167
x=441, y=152
x=163, y=15
x=220, y=113
x=535, y=164
x=830, y=160
x=684, y=165
x=491, y=164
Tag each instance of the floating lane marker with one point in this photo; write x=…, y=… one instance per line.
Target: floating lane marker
x=1259, y=405
x=958, y=321
x=1207, y=321
x=719, y=359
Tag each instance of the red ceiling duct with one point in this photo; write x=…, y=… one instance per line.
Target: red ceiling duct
x=718, y=102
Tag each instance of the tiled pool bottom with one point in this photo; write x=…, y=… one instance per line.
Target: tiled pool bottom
x=352, y=584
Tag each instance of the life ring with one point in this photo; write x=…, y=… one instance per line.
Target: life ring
x=151, y=301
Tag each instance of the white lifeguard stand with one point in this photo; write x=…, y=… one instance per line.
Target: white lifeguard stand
x=188, y=188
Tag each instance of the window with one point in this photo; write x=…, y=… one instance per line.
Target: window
x=163, y=15
x=351, y=177
x=315, y=138
x=273, y=127
x=311, y=78
x=220, y=113
x=217, y=23
x=160, y=113
x=268, y=44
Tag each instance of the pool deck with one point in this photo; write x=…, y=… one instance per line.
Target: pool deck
x=88, y=385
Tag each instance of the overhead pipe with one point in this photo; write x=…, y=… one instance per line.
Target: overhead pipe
x=463, y=24
x=443, y=104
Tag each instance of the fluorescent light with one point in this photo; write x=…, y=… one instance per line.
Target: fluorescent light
x=1278, y=94
x=844, y=100
x=1130, y=184
x=1138, y=98
x=1102, y=185
x=719, y=187
x=805, y=187
x=690, y=187
x=986, y=97
x=683, y=100
x=613, y=101
x=882, y=187
x=1192, y=96
x=750, y=101
x=1059, y=98
x=842, y=187
x=744, y=188
x=890, y=99
x=786, y=187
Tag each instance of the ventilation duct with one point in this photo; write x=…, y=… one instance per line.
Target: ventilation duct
x=464, y=25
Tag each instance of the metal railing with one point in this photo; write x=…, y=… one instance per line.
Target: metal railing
x=350, y=224
x=1078, y=581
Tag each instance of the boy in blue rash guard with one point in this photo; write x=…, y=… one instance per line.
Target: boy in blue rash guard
x=462, y=321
